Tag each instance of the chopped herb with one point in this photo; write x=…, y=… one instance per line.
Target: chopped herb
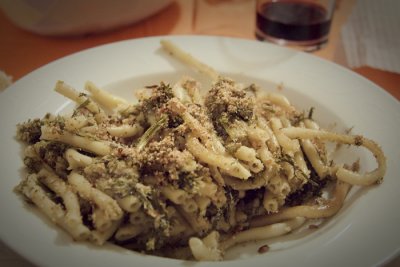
x=310, y=113
x=286, y=158
x=296, y=119
x=358, y=140
x=268, y=107
x=186, y=181
x=84, y=104
x=151, y=132
x=160, y=96
x=311, y=189
x=29, y=131
x=252, y=88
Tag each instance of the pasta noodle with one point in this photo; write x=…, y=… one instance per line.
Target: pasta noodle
x=104, y=98
x=357, y=140
x=263, y=232
x=324, y=210
x=129, y=203
x=188, y=59
x=76, y=159
x=227, y=164
x=97, y=147
x=181, y=174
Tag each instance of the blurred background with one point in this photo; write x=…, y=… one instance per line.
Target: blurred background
x=35, y=32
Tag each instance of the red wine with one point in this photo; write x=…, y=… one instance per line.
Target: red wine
x=293, y=21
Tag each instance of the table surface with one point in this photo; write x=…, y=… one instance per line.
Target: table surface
x=22, y=52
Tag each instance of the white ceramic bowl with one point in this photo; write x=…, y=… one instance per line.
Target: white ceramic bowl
x=77, y=17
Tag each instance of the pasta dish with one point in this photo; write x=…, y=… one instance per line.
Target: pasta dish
x=186, y=174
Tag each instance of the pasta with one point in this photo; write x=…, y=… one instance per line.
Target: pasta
x=185, y=174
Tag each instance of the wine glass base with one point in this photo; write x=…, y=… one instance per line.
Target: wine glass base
x=306, y=46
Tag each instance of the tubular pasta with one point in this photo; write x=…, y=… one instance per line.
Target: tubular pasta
x=100, y=221
x=110, y=206
x=206, y=249
x=342, y=173
x=70, y=219
x=180, y=91
x=226, y=164
x=190, y=206
x=271, y=166
x=197, y=223
x=263, y=232
x=179, y=225
x=288, y=145
x=138, y=218
x=100, y=237
x=253, y=183
x=97, y=147
x=128, y=231
x=300, y=163
x=249, y=155
x=75, y=123
x=279, y=186
x=129, y=203
x=202, y=203
x=208, y=139
x=280, y=100
x=193, y=89
x=37, y=195
x=80, y=98
x=189, y=60
x=217, y=175
x=272, y=142
x=177, y=196
x=207, y=189
x=76, y=159
x=270, y=202
x=125, y=130
x=327, y=209
x=104, y=98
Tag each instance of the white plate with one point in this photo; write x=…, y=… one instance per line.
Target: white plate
x=364, y=233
